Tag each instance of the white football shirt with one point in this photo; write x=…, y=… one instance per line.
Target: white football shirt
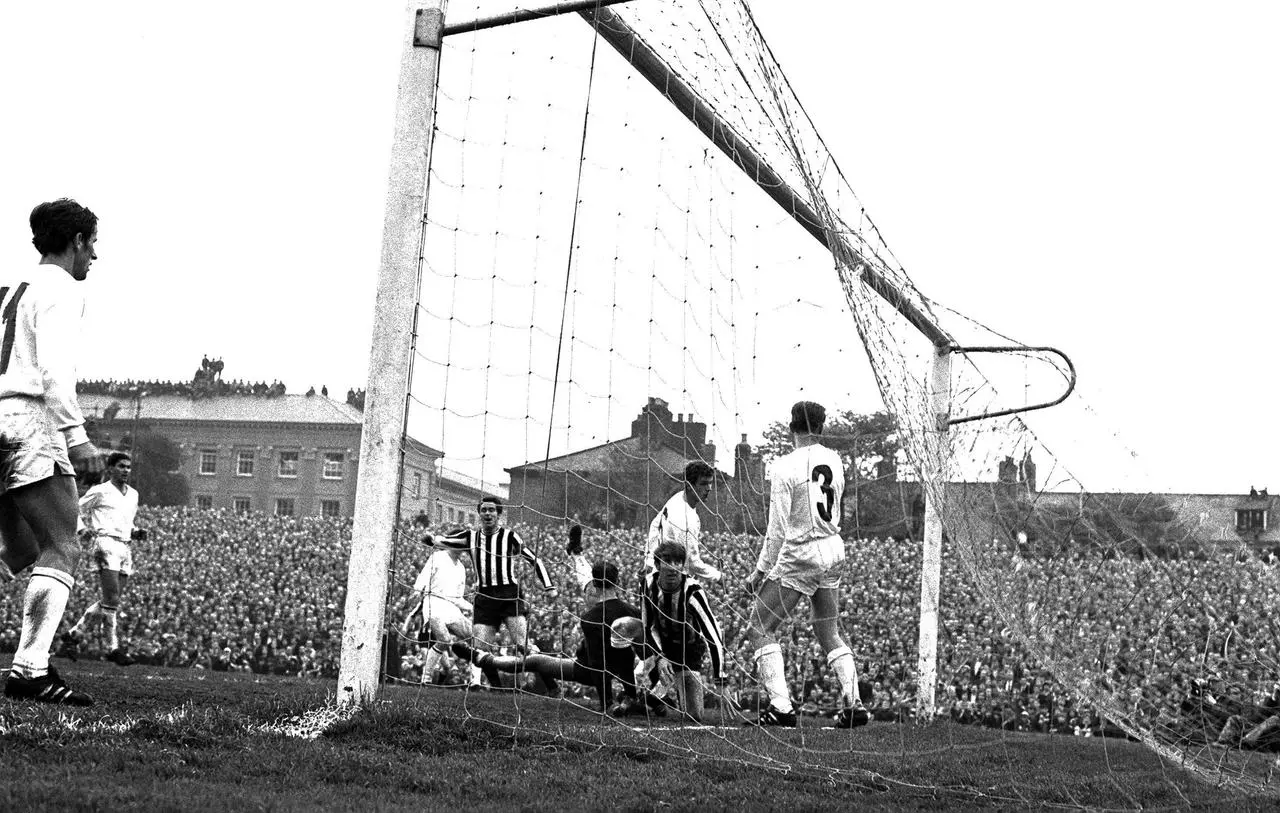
x=679, y=522
x=40, y=309
x=107, y=510
x=443, y=578
x=806, y=485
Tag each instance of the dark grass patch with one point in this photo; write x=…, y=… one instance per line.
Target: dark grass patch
x=171, y=739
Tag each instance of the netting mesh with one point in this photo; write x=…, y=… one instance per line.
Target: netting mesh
x=607, y=295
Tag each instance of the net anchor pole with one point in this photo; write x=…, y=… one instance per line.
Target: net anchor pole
x=931, y=553
x=377, y=502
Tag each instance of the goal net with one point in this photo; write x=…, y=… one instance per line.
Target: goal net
x=637, y=252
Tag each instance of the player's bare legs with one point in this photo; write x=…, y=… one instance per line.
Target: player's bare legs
x=826, y=628
x=774, y=604
x=690, y=693
x=19, y=547
x=48, y=508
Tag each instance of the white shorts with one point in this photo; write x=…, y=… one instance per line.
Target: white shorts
x=112, y=554
x=439, y=614
x=810, y=566
x=31, y=450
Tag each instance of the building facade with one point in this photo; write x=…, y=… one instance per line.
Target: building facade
x=291, y=455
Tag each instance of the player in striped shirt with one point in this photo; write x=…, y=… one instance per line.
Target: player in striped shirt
x=43, y=442
x=605, y=653
x=680, y=626
x=499, y=600
x=801, y=555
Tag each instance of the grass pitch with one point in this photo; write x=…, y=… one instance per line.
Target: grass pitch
x=162, y=739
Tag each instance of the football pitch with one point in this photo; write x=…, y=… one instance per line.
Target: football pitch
x=162, y=739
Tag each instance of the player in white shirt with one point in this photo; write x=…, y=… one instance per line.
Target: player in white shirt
x=438, y=596
x=678, y=522
x=801, y=555
x=42, y=437
x=107, y=512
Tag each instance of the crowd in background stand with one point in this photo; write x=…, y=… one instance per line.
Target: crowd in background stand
x=251, y=592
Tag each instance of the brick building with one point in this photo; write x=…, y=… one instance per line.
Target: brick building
x=294, y=455
x=622, y=483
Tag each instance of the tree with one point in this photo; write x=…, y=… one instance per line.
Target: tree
x=876, y=503
x=156, y=459
x=1133, y=524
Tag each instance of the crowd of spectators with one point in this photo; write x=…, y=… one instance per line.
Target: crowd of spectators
x=1126, y=638
x=206, y=383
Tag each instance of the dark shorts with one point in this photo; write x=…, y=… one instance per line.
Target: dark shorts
x=685, y=654
x=493, y=605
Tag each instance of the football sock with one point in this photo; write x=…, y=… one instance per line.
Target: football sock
x=109, y=617
x=773, y=676
x=43, y=606
x=431, y=665
x=91, y=612
x=841, y=662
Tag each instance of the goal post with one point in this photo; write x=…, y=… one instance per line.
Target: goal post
x=377, y=503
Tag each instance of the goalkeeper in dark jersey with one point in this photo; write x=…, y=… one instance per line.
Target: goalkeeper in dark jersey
x=605, y=653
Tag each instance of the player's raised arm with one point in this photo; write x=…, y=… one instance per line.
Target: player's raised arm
x=456, y=540
x=541, y=569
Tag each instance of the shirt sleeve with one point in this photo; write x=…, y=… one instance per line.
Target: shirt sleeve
x=705, y=623
x=538, y=566
x=458, y=540
x=779, y=510
x=697, y=567
x=88, y=502
x=581, y=570
x=58, y=332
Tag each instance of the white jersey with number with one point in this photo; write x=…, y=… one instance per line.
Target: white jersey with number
x=40, y=309
x=108, y=511
x=804, y=500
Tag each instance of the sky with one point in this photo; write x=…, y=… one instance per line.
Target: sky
x=1096, y=177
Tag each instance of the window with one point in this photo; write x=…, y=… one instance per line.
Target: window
x=330, y=508
x=208, y=461
x=417, y=485
x=288, y=464
x=241, y=505
x=440, y=513
x=1251, y=519
x=244, y=464
x=284, y=507
x=452, y=514
x=332, y=465
x=204, y=502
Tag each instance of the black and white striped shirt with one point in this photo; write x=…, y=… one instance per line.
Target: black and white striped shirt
x=681, y=614
x=494, y=556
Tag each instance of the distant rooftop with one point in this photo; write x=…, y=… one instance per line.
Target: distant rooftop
x=314, y=409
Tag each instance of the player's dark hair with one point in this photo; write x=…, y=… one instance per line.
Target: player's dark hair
x=604, y=576
x=695, y=471
x=116, y=457
x=56, y=223
x=496, y=502
x=808, y=417
x=673, y=553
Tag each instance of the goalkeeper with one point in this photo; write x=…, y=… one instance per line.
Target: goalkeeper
x=605, y=653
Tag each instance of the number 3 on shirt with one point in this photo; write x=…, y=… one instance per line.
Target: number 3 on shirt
x=823, y=474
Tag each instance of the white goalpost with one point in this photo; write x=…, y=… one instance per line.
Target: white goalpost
x=391, y=350
x=594, y=294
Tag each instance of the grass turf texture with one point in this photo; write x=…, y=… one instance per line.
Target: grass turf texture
x=170, y=739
